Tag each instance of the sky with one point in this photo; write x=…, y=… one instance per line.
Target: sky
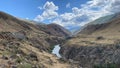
x=68, y=13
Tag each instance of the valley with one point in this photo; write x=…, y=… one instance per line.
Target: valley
x=27, y=44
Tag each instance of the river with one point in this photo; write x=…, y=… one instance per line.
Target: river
x=56, y=50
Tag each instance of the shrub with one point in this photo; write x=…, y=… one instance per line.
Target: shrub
x=62, y=60
x=26, y=65
x=109, y=65
x=51, y=48
x=99, y=38
x=19, y=60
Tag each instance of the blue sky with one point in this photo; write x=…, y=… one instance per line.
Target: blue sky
x=68, y=13
x=29, y=8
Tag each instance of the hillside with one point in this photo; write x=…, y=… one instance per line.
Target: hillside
x=55, y=29
x=97, y=44
x=26, y=45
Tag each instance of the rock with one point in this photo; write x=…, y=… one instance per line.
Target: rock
x=4, y=57
x=88, y=56
x=33, y=56
x=13, y=66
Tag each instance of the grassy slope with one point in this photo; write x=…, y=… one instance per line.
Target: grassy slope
x=27, y=52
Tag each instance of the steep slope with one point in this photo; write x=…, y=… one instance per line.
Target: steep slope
x=96, y=45
x=55, y=29
x=24, y=45
x=44, y=32
x=102, y=23
x=100, y=20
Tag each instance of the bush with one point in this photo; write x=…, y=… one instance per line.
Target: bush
x=51, y=48
x=19, y=60
x=99, y=38
x=109, y=65
x=62, y=60
x=26, y=65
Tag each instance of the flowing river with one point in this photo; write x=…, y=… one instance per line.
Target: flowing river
x=56, y=50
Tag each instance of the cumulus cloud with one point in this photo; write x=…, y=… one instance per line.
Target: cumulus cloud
x=68, y=5
x=50, y=6
x=39, y=18
x=88, y=12
x=79, y=16
x=49, y=12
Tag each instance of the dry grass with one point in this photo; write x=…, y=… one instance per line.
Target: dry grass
x=109, y=31
x=48, y=60
x=90, y=40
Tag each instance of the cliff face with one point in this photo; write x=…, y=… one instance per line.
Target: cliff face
x=90, y=56
x=96, y=45
x=24, y=45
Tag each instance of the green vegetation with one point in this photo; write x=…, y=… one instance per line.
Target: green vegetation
x=109, y=65
x=51, y=48
x=6, y=53
x=19, y=60
x=25, y=65
x=100, y=38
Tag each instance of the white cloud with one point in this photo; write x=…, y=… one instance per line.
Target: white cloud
x=39, y=18
x=68, y=5
x=40, y=8
x=88, y=12
x=79, y=16
x=49, y=12
x=50, y=6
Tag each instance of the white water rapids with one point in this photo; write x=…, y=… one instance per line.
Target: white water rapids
x=56, y=50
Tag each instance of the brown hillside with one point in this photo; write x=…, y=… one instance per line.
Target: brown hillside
x=25, y=45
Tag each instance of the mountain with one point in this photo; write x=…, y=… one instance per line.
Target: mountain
x=24, y=44
x=97, y=45
x=100, y=23
x=55, y=29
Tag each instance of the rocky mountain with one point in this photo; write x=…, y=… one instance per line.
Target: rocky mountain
x=24, y=44
x=97, y=45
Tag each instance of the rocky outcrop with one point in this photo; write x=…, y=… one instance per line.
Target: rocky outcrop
x=89, y=56
x=12, y=36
